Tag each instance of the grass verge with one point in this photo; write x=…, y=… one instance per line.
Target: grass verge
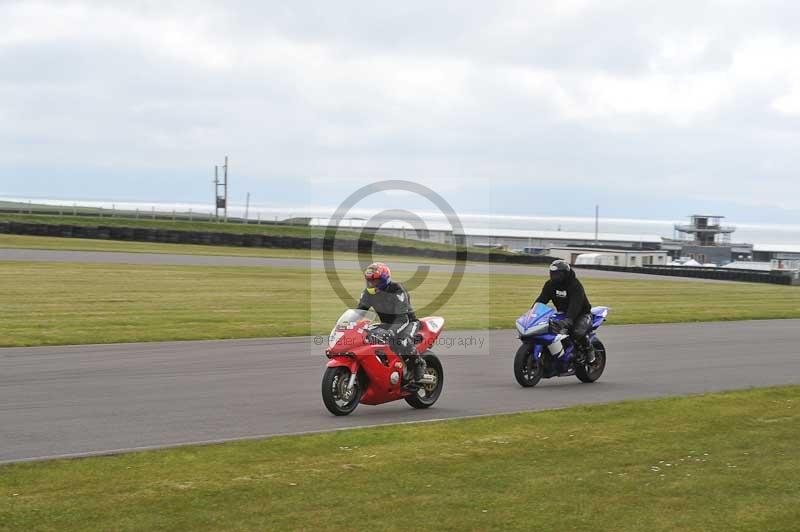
x=717, y=462
x=55, y=303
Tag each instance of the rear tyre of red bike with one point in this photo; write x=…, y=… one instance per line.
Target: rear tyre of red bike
x=427, y=394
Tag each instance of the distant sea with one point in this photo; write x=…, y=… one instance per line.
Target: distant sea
x=756, y=233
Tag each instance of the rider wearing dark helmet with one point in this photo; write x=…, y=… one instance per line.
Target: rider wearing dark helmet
x=567, y=293
x=392, y=302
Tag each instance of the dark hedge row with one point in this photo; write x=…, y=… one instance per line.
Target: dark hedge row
x=175, y=236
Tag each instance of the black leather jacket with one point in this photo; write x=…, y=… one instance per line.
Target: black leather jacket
x=569, y=297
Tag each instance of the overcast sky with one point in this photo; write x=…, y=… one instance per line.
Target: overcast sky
x=651, y=109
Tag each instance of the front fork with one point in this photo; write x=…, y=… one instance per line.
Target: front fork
x=536, y=354
x=352, y=382
x=349, y=363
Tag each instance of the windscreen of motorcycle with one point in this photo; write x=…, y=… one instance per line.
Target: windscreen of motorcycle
x=535, y=321
x=349, y=320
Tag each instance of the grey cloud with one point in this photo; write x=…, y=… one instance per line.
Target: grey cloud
x=431, y=90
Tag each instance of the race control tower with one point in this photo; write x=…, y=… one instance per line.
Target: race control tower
x=707, y=230
x=707, y=241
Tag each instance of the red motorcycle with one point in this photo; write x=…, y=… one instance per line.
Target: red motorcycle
x=365, y=370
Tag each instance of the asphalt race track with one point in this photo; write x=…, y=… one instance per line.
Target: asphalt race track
x=80, y=400
x=114, y=257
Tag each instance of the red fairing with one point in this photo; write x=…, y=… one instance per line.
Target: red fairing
x=430, y=330
x=378, y=366
x=346, y=361
x=349, y=340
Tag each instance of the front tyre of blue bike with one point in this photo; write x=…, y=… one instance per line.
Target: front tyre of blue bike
x=527, y=370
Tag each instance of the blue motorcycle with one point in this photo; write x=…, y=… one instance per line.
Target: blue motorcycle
x=547, y=350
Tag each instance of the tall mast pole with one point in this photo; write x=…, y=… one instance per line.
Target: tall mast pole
x=216, y=192
x=226, y=189
x=597, y=225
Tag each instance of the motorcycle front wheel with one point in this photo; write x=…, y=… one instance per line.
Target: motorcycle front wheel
x=337, y=398
x=527, y=371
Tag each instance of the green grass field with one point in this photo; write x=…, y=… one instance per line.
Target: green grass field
x=48, y=303
x=712, y=463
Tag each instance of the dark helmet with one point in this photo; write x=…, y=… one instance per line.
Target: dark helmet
x=559, y=271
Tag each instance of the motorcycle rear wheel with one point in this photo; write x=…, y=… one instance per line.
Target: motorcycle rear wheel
x=590, y=373
x=527, y=371
x=337, y=398
x=427, y=395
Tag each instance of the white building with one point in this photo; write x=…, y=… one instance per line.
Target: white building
x=535, y=242
x=770, y=252
x=540, y=241
x=610, y=257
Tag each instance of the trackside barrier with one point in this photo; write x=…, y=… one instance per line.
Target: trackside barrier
x=177, y=236
x=749, y=276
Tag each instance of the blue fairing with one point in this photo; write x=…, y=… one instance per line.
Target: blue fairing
x=599, y=315
x=535, y=320
x=548, y=338
x=534, y=324
x=540, y=309
x=537, y=351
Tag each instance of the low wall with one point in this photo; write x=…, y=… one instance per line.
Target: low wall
x=750, y=276
x=176, y=236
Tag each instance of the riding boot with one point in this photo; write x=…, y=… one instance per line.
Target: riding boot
x=588, y=351
x=585, y=351
x=419, y=368
x=415, y=370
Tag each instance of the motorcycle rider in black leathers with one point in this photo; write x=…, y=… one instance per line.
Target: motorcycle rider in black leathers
x=392, y=302
x=567, y=293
